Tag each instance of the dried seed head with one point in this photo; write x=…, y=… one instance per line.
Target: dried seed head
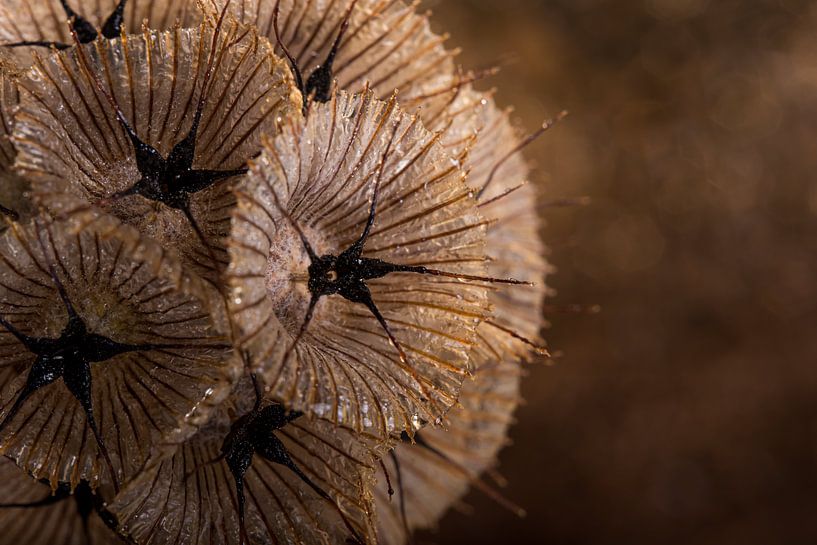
x=103, y=353
x=390, y=46
x=30, y=25
x=154, y=128
x=385, y=44
x=387, y=268
x=31, y=513
x=178, y=500
x=499, y=176
x=436, y=471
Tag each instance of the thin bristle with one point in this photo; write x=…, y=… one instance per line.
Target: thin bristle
x=528, y=140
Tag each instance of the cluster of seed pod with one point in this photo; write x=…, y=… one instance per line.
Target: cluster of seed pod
x=265, y=264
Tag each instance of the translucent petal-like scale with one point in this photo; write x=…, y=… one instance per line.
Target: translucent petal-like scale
x=435, y=478
x=59, y=522
x=514, y=242
x=474, y=433
x=386, y=45
x=190, y=498
x=71, y=142
x=47, y=21
x=390, y=46
x=345, y=367
x=155, y=362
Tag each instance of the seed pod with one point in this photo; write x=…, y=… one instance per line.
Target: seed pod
x=154, y=129
x=356, y=263
x=386, y=43
x=437, y=471
x=106, y=352
x=14, y=203
x=382, y=43
x=31, y=513
x=30, y=25
x=498, y=174
x=473, y=129
x=312, y=486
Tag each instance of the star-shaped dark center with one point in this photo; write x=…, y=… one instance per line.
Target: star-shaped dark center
x=318, y=85
x=254, y=434
x=69, y=357
x=85, y=31
x=87, y=502
x=171, y=180
x=346, y=274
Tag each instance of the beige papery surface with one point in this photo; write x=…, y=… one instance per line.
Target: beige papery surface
x=71, y=143
x=58, y=522
x=387, y=45
x=322, y=172
x=473, y=434
x=125, y=290
x=47, y=20
x=190, y=498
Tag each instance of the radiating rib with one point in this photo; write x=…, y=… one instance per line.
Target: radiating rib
x=44, y=22
x=72, y=143
x=190, y=498
x=439, y=469
x=42, y=517
x=14, y=204
x=319, y=176
x=156, y=361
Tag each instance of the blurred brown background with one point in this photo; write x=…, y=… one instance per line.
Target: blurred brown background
x=686, y=412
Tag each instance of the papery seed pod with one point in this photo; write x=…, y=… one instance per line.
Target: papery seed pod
x=386, y=43
x=32, y=513
x=154, y=128
x=357, y=262
x=432, y=474
x=14, y=203
x=382, y=43
x=29, y=25
x=438, y=470
x=498, y=174
x=380, y=37
x=106, y=352
x=295, y=480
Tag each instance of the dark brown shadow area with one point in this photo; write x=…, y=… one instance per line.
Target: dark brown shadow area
x=686, y=412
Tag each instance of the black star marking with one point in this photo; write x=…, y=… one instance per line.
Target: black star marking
x=171, y=180
x=85, y=31
x=253, y=434
x=87, y=502
x=69, y=358
x=346, y=274
x=318, y=86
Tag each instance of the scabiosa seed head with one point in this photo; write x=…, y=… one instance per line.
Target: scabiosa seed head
x=383, y=272
x=356, y=254
x=266, y=474
x=154, y=129
x=103, y=354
